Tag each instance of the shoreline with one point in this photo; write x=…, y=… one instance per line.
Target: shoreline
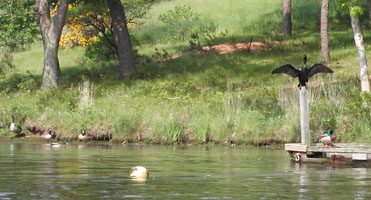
x=32, y=138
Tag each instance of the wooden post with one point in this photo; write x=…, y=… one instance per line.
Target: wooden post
x=304, y=116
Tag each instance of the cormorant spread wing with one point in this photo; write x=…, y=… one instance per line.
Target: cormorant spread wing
x=288, y=69
x=318, y=68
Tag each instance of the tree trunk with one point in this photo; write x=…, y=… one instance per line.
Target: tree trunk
x=122, y=38
x=358, y=39
x=287, y=26
x=369, y=10
x=325, y=51
x=51, y=30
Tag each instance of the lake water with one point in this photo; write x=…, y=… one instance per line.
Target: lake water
x=98, y=171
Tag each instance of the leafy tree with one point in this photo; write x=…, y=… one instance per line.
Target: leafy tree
x=355, y=10
x=107, y=29
x=89, y=21
x=18, y=24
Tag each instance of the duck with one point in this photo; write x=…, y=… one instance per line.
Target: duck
x=139, y=172
x=57, y=145
x=328, y=138
x=50, y=134
x=83, y=136
x=303, y=73
x=14, y=127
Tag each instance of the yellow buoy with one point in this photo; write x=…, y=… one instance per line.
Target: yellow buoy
x=139, y=172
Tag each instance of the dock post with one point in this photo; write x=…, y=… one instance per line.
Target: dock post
x=304, y=116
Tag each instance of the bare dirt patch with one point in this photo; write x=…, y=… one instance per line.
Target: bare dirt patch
x=227, y=48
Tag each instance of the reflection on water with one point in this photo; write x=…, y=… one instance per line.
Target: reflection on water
x=39, y=171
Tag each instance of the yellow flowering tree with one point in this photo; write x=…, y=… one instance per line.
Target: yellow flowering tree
x=89, y=21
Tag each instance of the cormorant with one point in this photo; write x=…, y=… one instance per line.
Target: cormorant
x=303, y=73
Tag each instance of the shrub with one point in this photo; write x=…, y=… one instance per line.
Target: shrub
x=126, y=126
x=19, y=82
x=180, y=22
x=174, y=130
x=57, y=97
x=102, y=48
x=6, y=62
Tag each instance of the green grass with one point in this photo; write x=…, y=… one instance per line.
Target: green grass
x=230, y=98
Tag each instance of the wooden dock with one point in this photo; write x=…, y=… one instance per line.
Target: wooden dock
x=339, y=152
x=318, y=152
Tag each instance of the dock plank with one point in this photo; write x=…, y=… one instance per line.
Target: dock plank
x=297, y=147
x=337, y=148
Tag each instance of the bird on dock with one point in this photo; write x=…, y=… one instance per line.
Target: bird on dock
x=328, y=138
x=139, y=172
x=13, y=127
x=83, y=136
x=49, y=135
x=303, y=73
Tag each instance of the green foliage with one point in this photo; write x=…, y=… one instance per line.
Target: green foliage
x=201, y=129
x=135, y=10
x=14, y=82
x=211, y=97
x=105, y=49
x=264, y=100
x=203, y=34
x=18, y=23
x=94, y=18
x=174, y=130
x=324, y=115
x=354, y=9
x=6, y=62
x=57, y=98
x=180, y=22
x=102, y=49
x=127, y=125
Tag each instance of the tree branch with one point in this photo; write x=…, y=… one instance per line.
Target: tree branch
x=23, y=14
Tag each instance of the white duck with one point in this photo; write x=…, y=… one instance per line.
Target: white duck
x=139, y=172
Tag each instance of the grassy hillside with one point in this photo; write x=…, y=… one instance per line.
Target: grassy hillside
x=229, y=98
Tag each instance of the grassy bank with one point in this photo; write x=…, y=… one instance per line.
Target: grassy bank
x=230, y=98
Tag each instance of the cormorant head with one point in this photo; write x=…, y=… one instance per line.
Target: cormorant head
x=305, y=59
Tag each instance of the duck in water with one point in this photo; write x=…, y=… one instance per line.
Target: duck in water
x=303, y=73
